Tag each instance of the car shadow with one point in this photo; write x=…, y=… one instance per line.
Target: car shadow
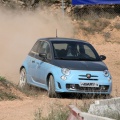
x=36, y=91
x=82, y=96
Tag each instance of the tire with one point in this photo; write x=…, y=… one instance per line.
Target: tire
x=23, y=80
x=51, y=87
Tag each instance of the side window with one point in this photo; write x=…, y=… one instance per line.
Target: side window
x=35, y=47
x=45, y=48
x=39, y=47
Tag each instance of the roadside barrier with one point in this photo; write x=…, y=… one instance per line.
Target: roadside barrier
x=74, y=113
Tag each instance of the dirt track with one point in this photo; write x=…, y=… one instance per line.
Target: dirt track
x=26, y=109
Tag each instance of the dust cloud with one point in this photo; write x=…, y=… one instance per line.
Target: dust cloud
x=20, y=30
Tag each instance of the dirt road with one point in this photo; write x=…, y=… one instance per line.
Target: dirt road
x=26, y=109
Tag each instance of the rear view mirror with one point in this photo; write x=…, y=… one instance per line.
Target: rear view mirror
x=102, y=57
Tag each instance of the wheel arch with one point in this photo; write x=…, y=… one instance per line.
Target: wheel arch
x=48, y=76
x=21, y=68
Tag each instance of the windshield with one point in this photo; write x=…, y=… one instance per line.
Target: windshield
x=73, y=50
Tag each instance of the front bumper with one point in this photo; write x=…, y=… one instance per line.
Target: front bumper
x=75, y=88
x=72, y=83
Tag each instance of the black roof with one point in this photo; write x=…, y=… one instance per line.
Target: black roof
x=62, y=39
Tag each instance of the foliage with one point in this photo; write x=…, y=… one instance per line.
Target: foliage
x=7, y=96
x=117, y=26
x=2, y=78
x=5, y=93
x=55, y=114
x=95, y=25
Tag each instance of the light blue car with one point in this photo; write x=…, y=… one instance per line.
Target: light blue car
x=65, y=65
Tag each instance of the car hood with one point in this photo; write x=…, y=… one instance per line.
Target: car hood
x=81, y=65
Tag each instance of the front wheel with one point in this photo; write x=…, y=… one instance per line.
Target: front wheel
x=51, y=87
x=23, y=79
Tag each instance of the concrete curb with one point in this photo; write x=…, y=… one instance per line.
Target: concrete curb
x=108, y=101
x=76, y=114
x=88, y=116
x=107, y=107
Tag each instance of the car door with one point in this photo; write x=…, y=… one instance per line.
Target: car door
x=43, y=65
x=32, y=60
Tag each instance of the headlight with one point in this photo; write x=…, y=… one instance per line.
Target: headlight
x=106, y=73
x=65, y=71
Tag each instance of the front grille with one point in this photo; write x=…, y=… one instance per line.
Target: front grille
x=89, y=89
x=84, y=77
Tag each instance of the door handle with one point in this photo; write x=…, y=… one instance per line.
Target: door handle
x=33, y=61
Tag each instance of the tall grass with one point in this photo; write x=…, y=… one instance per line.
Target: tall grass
x=5, y=94
x=54, y=114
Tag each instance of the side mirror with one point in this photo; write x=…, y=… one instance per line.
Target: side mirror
x=43, y=55
x=102, y=57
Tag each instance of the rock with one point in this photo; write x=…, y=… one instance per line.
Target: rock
x=108, y=107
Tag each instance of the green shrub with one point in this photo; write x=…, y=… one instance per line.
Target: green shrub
x=2, y=78
x=55, y=114
x=95, y=25
x=117, y=26
x=7, y=96
x=107, y=36
x=5, y=90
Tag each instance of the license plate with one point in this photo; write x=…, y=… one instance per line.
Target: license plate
x=89, y=85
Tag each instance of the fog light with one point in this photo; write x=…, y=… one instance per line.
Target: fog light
x=72, y=86
x=63, y=77
x=102, y=87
